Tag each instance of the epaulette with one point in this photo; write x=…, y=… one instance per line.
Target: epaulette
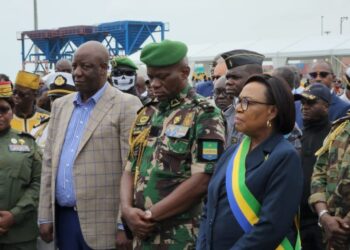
x=336, y=130
x=341, y=120
x=47, y=119
x=153, y=101
x=204, y=104
x=26, y=134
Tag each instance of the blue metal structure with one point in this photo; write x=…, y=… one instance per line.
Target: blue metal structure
x=121, y=37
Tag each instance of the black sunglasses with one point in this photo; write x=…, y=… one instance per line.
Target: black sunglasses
x=4, y=110
x=20, y=93
x=123, y=72
x=322, y=74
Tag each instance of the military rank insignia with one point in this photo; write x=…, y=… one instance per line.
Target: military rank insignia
x=60, y=80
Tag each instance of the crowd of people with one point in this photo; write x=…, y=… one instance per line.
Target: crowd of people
x=99, y=158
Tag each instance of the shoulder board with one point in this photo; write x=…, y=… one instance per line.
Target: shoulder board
x=341, y=120
x=153, y=101
x=26, y=135
x=47, y=119
x=204, y=104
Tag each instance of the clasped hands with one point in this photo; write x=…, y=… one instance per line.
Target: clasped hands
x=337, y=231
x=6, y=221
x=140, y=222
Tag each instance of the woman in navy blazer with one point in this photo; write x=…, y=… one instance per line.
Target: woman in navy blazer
x=272, y=174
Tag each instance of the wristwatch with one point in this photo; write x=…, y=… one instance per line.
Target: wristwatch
x=320, y=214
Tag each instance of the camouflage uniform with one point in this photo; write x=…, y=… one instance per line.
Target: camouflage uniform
x=170, y=141
x=331, y=177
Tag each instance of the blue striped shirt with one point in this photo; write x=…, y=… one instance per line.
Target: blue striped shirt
x=65, y=194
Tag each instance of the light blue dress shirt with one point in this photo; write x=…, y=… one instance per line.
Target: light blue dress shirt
x=65, y=194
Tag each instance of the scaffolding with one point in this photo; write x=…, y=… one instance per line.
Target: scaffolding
x=43, y=48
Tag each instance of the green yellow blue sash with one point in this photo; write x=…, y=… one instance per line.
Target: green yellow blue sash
x=244, y=205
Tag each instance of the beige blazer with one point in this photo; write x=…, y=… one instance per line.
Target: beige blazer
x=98, y=166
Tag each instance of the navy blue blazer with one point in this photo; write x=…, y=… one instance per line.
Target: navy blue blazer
x=338, y=108
x=274, y=177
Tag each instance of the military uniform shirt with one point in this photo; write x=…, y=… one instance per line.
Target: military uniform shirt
x=185, y=136
x=330, y=181
x=20, y=169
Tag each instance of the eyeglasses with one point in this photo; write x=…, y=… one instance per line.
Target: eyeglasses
x=123, y=72
x=245, y=102
x=218, y=92
x=4, y=110
x=322, y=74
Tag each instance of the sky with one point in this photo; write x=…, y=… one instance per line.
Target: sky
x=190, y=21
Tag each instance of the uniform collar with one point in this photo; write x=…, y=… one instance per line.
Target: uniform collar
x=177, y=100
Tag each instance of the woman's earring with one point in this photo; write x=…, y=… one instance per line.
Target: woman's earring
x=268, y=124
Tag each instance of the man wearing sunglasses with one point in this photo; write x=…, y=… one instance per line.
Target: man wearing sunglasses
x=315, y=103
x=321, y=72
x=124, y=74
x=26, y=113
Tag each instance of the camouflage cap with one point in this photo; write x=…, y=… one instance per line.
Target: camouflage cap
x=27, y=79
x=163, y=54
x=123, y=61
x=236, y=58
x=315, y=91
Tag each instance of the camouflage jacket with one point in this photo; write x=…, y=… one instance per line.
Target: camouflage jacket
x=170, y=142
x=330, y=181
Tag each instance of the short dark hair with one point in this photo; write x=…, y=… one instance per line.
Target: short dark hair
x=278, y=94
x=5, y=77
x=285, y=73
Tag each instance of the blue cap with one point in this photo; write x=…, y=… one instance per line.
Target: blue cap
x=315, y=91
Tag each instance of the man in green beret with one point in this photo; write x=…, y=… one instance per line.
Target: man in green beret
x=174, y=144
x=123, y=74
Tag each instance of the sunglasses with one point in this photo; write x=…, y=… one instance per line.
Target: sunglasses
x=20, y=93
x=4, y=110
x=123, y=72
x=322, y=74
x=309, y=102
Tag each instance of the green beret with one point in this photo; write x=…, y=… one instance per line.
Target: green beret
x=123, y=61
x=163, y=54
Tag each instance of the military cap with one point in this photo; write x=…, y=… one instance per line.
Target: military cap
x=236, y=58
x=163, y=54
x=5, y=89
x=315, y=91
x=123, y=61
x=60, y=83
x=28, y=80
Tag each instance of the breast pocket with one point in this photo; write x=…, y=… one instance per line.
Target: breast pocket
x=21, y=168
